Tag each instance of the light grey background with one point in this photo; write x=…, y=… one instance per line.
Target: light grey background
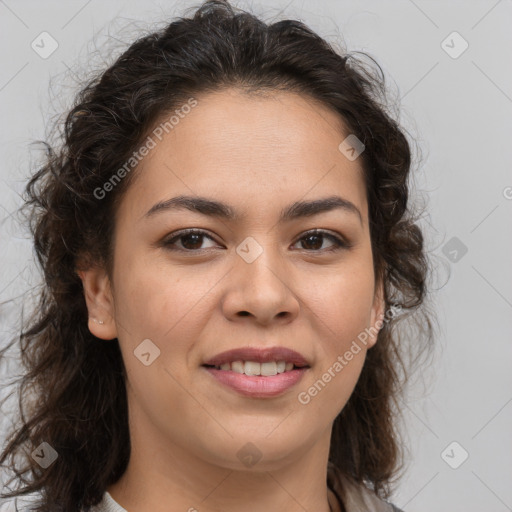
x=460, y=111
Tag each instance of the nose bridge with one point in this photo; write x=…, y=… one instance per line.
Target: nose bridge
x=261, y=257
x=259, y=274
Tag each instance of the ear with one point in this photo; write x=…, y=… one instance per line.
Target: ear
x=377, y=314
x=100, y=302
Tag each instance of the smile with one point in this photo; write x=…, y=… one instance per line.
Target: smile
x=257, y=385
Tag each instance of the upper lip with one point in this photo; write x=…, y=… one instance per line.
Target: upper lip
x=259, y=355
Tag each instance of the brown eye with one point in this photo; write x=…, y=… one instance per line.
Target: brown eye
x=191, y=240
x=313, y=241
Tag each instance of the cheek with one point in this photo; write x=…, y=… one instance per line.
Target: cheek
x=344, y=313
x=333, y=381
x=344, y=305
x=342, y=302
x=166, y=305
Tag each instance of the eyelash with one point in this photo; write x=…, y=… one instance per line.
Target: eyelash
x=339, y=243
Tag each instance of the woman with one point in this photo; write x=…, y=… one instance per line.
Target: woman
x=228, y=250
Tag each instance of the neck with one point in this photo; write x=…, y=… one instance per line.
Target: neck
x=160, y=473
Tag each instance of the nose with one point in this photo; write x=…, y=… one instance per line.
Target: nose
x=261, y=290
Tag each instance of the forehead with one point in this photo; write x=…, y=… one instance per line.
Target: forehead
x=250, y=151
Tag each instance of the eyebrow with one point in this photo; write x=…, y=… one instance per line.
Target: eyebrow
x=213, y=208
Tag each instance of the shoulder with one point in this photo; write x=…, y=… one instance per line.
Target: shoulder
x=107, y=504
x=361, y=498
x=356, y=497
x=18, y=504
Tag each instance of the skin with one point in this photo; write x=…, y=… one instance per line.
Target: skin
x=258, y=154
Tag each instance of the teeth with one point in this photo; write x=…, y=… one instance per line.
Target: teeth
x=253, y=368
x=237, y=366
x=269, y=368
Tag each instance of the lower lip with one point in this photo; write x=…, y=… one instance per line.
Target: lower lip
x=257, y=386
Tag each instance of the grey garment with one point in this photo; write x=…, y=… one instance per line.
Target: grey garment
x=361, y=499
x=108, y=504
x=356, y=497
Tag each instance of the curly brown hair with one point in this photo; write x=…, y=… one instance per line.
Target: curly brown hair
x=73, y=394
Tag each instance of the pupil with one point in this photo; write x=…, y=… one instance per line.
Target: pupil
x=192, y=235
x=318, y=237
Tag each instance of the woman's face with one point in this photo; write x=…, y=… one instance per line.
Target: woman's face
x=255, y=280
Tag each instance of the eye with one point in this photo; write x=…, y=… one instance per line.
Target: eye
x=315, y=238
x=191, y=240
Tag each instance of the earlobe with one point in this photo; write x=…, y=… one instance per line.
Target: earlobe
x=99, y=301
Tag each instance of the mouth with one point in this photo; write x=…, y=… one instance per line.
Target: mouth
x=256, y=369
x=258, y=361
x=257, y=386
x=258, y=373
